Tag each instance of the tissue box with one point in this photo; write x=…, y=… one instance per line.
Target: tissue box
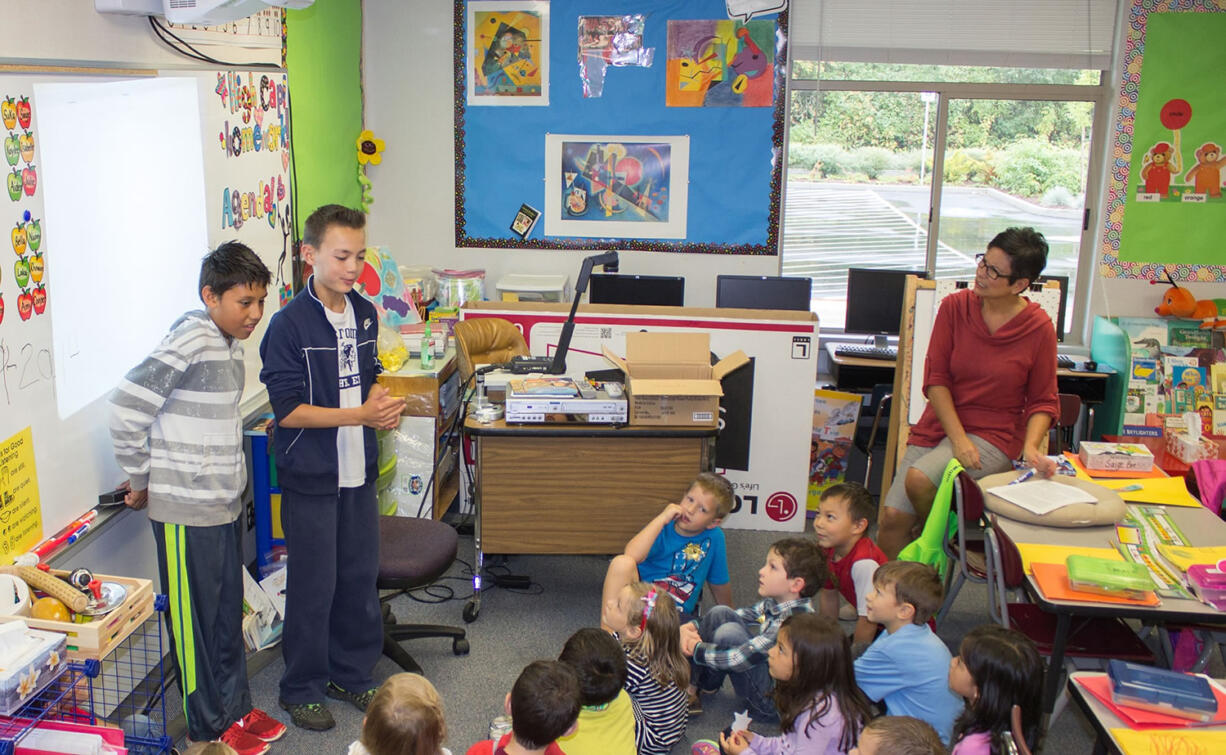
x=1115, y=457
x=31, y=668
x=1187, y=450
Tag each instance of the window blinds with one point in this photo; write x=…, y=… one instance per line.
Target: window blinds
x=1009, y=33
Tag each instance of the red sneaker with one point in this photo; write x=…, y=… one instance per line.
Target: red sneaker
x=242, y=742
x=262, y=726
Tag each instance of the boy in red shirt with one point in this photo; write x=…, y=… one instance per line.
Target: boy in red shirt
x=844, y=514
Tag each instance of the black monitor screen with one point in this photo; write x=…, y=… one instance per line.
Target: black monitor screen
x=763, y=292
x=874, y=300
x=1063, y=280
x=644, y=290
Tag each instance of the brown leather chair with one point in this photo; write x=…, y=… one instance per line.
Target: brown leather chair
x=487, y=340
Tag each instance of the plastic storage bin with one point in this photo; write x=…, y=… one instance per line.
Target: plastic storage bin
x=458, y=286
x=551, y=288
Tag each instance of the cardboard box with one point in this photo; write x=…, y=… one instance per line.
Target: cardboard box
x=670, y=379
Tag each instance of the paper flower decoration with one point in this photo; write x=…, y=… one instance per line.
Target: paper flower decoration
x=369, y=148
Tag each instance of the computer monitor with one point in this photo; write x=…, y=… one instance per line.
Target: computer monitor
x=1063, y=280
x=763, y=292
x=874, y=301
x=643, y=290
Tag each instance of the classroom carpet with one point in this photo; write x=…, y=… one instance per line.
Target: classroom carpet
x=517, y=627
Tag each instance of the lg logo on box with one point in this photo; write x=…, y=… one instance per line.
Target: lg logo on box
x=801, y=347
x=780, y=506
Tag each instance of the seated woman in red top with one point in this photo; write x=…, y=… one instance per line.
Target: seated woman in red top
x=990, y=379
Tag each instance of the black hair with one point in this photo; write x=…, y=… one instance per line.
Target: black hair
x=1007, y=670
x=859, y=501
x=599, y=661
x=1027, y=250
x=802, y=558
x=229, y=265
x=318, y=223
x=822, y=677
x=544, y=703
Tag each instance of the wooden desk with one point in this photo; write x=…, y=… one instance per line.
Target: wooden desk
x=576, y=488
x=1198, y=524
x=1101, y=717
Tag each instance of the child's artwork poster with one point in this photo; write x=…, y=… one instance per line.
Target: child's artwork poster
x=720, y=63
x=508, y=53
x=21, y=523
x=616, y=186
x=1174, y=211
x=835, y=415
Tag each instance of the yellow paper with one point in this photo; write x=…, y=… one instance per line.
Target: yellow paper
x=22, y=515
x=1057, y=554
x=1182, y=557
x=1167, y=491
x=1170, y=741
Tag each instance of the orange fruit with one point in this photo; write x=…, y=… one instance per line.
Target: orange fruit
x=50, y=609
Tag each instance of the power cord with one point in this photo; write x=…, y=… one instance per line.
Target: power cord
x=163, y=32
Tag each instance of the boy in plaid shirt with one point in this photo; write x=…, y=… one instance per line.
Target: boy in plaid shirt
x=735, y=643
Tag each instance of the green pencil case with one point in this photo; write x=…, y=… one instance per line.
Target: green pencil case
x=1101, y=576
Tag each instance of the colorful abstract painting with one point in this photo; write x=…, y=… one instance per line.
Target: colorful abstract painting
x=508, y=53
x=616, y=186
x=720, y=63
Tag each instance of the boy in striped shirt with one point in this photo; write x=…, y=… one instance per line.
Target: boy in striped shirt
x=177, y=433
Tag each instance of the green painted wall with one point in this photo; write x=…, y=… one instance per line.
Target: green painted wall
x=324, y=59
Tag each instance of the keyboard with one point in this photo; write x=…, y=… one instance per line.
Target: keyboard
x=1064, y=363
x=858, y=351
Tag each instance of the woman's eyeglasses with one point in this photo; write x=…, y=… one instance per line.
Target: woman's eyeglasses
x=992, y=271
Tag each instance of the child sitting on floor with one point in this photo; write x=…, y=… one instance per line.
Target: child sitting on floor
x=606, y=718
x=657, y=674
x=820, y=707
x=405, y=717
x=907, y=667
x=844, y=515
x=996, y=669
x=680, y=549
x=735, y=643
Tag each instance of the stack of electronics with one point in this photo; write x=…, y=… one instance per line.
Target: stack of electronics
x=557, y=398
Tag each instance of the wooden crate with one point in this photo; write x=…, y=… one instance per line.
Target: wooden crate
x=95, y=639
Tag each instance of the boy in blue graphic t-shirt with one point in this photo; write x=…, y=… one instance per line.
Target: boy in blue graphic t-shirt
x=681, y=548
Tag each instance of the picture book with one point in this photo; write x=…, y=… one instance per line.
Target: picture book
x=835, y=415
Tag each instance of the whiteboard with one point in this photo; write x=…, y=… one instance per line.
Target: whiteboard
x=72, y=460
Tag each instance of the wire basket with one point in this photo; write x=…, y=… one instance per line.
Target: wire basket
x=126, y=689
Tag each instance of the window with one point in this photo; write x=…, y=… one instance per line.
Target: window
x=913, y=155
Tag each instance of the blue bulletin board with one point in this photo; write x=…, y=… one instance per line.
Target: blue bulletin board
x=677, y=111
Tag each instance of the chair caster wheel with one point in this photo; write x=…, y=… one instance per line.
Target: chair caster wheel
x=459, y=646
x=470, y=612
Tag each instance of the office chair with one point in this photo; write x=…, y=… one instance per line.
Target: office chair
x=487, y=340
x=414, y=553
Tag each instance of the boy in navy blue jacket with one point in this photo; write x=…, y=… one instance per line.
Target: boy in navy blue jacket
x=319, y=366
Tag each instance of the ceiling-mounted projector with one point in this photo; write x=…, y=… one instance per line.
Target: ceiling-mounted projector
x=197, y=12
x=214, y=12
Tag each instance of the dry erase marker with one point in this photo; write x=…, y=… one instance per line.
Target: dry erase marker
x=77, y=535
x=1024, y=476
